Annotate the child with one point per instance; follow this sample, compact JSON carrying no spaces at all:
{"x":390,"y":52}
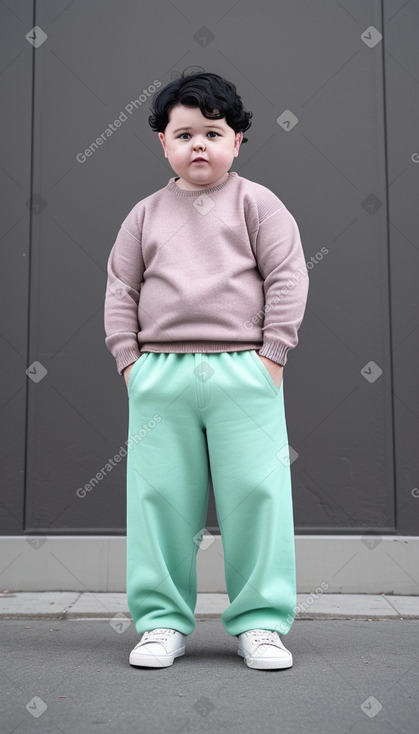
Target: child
{"x":207,"y":287}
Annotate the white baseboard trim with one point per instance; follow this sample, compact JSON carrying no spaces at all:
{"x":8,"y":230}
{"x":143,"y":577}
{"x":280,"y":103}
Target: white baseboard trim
{"x":345,"y":564}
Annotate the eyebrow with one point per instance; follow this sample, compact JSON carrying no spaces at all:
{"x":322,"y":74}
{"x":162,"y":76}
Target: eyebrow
{"x":213,"y":127}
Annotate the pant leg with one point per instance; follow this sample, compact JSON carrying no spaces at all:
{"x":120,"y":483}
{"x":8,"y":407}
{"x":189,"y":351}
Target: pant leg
{"x":249,"y":460}
{"x":167,"y":491}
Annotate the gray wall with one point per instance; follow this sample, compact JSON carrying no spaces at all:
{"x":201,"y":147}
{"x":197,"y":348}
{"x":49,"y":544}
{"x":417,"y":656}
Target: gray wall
{"x":348,"y":171}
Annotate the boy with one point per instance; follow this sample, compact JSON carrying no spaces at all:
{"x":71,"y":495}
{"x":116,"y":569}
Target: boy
{"x":207,"y":288}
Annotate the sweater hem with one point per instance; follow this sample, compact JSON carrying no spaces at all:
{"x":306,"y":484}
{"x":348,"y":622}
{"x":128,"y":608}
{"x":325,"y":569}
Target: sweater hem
{"x":199,"y":346}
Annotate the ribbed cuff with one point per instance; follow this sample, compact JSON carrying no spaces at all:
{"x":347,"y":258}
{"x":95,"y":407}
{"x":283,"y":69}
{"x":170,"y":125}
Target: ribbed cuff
{"x":125,"y":357}
{"x":275,"y":351}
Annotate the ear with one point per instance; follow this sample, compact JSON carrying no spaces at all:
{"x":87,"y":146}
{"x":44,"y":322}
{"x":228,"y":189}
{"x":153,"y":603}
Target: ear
{"x":163,"y":142}
{"x":237,"y":143}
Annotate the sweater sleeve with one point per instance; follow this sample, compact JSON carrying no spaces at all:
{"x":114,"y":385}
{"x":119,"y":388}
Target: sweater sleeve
{"x":281,"y":262}
{"x":125,"y":270}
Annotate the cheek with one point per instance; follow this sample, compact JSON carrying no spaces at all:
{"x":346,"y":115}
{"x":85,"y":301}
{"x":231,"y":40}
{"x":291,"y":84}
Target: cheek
{"x":178,"y":153}
{"x":223,"y":151}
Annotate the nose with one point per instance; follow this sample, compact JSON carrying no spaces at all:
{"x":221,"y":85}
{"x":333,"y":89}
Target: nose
{"x":200,"y":143}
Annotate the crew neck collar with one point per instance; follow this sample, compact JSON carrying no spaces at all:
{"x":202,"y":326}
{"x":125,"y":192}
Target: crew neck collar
{"x":174,"y":189}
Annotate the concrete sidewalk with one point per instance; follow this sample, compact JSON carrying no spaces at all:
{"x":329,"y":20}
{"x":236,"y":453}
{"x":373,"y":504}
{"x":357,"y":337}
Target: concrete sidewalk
{"x":79,"y":605}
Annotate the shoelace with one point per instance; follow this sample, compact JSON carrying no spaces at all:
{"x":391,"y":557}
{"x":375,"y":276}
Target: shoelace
{"x":159,"y":634}
{"x":264,"y":636}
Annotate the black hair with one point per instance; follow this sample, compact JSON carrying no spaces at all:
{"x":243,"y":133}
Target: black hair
{"x":204,"y":90}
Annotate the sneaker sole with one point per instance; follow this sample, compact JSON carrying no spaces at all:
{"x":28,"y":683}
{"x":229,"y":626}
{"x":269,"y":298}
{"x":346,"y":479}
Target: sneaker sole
{"x":265,"y":663}
{"x":142,"y":659}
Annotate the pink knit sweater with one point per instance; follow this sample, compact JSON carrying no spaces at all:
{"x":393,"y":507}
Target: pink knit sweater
{"x":216,"y":270}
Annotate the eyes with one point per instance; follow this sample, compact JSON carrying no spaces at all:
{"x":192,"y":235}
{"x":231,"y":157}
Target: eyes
{"x":210,"y":132}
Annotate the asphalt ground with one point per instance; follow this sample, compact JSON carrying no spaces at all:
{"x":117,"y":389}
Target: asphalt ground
{"x":72,"y":675}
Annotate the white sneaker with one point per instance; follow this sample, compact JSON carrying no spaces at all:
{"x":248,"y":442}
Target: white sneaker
{"x":158,"y":648}
{"x":263,"y":649}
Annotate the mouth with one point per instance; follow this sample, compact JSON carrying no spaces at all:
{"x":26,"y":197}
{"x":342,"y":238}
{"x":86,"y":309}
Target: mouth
{"x":199,"y":160}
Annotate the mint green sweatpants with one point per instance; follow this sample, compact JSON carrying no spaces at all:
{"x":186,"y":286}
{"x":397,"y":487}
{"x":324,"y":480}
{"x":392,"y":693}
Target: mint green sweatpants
{"x":189,"y":413}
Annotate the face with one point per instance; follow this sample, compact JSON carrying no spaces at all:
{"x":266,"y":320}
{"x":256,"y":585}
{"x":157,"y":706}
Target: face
{"x":189,"y":135}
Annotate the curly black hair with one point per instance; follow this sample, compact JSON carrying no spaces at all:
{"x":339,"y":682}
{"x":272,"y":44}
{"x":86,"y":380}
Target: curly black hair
{"x":204,"y":90}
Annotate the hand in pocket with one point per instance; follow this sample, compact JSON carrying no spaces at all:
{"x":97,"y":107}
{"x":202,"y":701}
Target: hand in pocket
{"x":126,"y":373}
{"x":275,"y":370}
